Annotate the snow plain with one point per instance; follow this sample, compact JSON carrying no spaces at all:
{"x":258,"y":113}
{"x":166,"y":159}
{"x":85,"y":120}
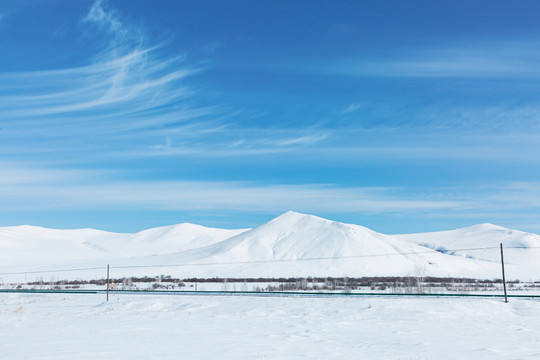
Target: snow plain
{"x":60,"y":326}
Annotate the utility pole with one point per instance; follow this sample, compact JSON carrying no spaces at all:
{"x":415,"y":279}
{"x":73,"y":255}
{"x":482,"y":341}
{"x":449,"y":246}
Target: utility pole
{"x":107,"y":282}
{"x":503,"y":278}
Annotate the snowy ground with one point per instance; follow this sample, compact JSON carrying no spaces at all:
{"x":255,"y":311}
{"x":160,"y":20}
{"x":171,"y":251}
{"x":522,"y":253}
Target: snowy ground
{"x":60,"y":326}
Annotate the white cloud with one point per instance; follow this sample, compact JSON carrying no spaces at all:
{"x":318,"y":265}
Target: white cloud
{"x":107,"y":20}
{"x":127,"y":101}
{"x":35,"y":188}
{"x":351,"y":108}
{"x":469,"y":60}
{"x":133,"y":91}
{"x":129,"y":91}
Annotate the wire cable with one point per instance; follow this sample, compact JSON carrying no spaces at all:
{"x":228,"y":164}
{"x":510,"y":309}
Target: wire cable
{"x":432,"y":251}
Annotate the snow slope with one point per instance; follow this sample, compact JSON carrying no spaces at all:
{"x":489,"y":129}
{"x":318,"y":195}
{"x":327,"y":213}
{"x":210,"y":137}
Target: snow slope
{"x":24,"y":245}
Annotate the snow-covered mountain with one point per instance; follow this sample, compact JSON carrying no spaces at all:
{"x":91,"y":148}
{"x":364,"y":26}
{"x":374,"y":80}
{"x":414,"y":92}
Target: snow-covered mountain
{"x":290,"y":245}
{"x":295,"y":244}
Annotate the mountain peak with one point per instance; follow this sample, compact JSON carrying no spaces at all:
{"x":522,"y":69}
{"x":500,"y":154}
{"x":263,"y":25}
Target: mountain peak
{"x":484,"y":227}
{"x":293,"y":215}
{"x":296,"y":220}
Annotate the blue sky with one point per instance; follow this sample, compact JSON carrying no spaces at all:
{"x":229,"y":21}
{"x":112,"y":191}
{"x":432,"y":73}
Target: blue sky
{"x":399,"y":116}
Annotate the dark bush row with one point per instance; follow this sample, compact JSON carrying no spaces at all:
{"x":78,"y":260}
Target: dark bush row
{"x":327,"y":281}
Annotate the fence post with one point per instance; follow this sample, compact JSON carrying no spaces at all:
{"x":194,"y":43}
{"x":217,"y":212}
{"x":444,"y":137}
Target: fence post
{"x":107,"y":282}
{"x":503,"y":278}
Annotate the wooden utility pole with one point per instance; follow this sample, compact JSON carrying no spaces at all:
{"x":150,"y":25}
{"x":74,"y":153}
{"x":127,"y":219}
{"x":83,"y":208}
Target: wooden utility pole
{"x":107,"y":282}
{"x":503,"y":279}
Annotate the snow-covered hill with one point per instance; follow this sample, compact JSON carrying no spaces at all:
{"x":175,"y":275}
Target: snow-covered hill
{"x":291,"y":245}
{"x":522,"y":250}
{"x":295,"y":244}
{"x":477,"y":236}
{"x":32,"y":246}
{"x":162,"y":240}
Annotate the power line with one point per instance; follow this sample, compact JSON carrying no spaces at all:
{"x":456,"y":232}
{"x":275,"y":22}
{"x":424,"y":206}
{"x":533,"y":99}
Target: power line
{"x":441,"y":250}
{"x":55,"y":271}
{"x":292,"y":260}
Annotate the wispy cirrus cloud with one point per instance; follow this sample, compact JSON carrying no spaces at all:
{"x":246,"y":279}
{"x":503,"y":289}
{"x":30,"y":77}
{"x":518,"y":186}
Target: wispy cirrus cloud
{"x":351,"y":108}
{"x":106,"y":19}
{"x":130,"y":99}
{"x":35,"y":188}
{"x":38,"y":188}
{"x":128,"y":90}
{"x":468,"y":60}
{"x":233,"y":141}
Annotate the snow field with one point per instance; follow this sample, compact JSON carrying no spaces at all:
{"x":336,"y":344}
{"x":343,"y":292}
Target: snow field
{"x":59,"y":326}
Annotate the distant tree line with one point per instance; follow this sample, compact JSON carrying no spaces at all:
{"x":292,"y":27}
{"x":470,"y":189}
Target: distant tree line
{"x":338,"y":281}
